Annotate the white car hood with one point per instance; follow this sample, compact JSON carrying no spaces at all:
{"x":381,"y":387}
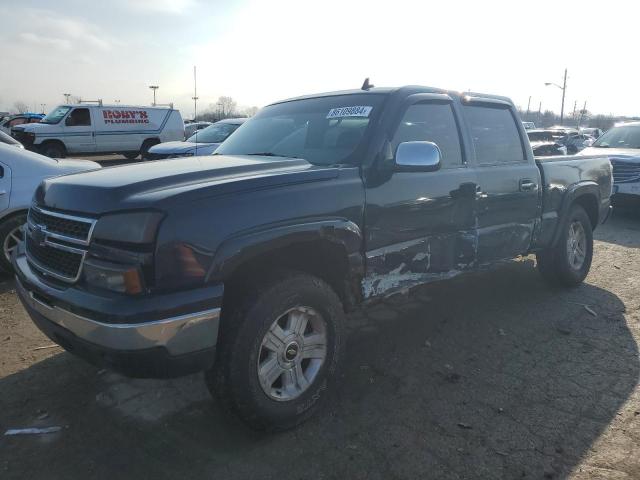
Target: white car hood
{"x":181,"y":148}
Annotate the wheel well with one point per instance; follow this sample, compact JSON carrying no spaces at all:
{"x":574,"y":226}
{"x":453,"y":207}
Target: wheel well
{"x":150,"y":142}
{"x":56,"y":142}
{"x":590,"y":205}
{"x":15,"y":213}
{"x":321,"y":258}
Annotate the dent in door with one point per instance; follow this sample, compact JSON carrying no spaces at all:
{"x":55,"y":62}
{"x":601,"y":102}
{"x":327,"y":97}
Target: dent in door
{"x":407,"y":264}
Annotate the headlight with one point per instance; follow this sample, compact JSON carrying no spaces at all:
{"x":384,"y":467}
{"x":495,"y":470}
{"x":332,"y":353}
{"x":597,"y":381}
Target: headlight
{"x":117,"y":278}
{"x":135,"y":227}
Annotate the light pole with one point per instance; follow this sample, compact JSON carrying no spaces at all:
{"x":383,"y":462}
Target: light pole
{"x":154,"y":88}
{"x":43,"y":105}
{"x":195,"y":96}
{"x":66,"y":97}
{"x":564,"y":91}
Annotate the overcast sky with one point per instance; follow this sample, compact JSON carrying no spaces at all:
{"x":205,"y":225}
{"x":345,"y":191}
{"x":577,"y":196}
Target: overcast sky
{"x":262,"y":51}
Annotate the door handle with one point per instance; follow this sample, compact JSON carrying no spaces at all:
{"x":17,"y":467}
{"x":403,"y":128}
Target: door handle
{"x":527,"y":185}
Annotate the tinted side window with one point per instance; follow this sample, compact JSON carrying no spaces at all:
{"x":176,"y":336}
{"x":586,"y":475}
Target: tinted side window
{"x":495,"y":135}
{"x":80,"y":117}
{"x":431,"y":122}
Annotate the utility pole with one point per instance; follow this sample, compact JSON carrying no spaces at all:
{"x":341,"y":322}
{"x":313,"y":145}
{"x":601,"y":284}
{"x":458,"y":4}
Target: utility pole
{"x":195,"y":95}
{"x":43,"y":105}
{"x":564,"y":91}
{"x":66,"y":97}
{"x":584,"y":109}
{"x":539,"y":111}
{"x":154,"y":88}
{"x":528,"y":105}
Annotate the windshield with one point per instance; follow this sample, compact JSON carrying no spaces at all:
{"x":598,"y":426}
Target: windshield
{"x":216,"y":133}
{"x":625,"y":136}
{"x":56,"y":115}
{"x":323,"y":131}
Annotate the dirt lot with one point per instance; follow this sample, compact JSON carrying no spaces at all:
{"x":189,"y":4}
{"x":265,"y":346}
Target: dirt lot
{"x":493,"y":375}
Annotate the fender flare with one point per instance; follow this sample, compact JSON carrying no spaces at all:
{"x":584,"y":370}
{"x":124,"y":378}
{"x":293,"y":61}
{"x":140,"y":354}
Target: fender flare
{"x":237,"y":250}
{"x":587,"y":187}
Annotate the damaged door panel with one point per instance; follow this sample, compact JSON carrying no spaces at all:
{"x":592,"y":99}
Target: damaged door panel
{"x":422,"y":226}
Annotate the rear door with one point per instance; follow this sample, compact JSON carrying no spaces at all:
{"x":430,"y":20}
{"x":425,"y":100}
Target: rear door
{"x":508,"y":180}
{"x":421,"y":225}
{"x":79,"y":131}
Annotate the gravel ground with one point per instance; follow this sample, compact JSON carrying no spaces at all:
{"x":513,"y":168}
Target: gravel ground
{"x":493,"y":375}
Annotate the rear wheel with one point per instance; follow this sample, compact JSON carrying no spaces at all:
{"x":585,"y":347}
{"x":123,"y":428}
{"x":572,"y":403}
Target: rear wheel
{"x":11,"y":233}
{"x":569,"y":261}
{"x":279,"y":351}
{"x":146,"y":145}
{"x":131,"y":155}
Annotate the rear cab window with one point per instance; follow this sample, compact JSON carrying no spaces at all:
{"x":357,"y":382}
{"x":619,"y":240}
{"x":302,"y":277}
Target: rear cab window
{"x":495,"y":134}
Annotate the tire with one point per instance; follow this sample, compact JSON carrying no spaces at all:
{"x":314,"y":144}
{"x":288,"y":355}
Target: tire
{"x":146,"y":145}
{"x":53,"y":150}
{"x":10,"y":234}
{"x":131,"y":155}
{"x":558,"y":265}
{"x":281,"y":400}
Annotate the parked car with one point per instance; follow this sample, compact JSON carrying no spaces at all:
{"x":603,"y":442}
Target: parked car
{"x":96,"y":128}
{"x":622,"y":144}
{"x":13,"y":120}
{"x":21,"y":172}
{"x":203,"y":142}
{"x":529,"y":125}
{"x":595,"y":133}
{"x":546,"y":143}
{"x":9,"y":140}
{"x":569,"y":137}
{"x":243,"y":263}
{"x":193,"y":127}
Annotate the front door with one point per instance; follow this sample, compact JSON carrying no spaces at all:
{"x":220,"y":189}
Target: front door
{"x":508,"y":181}
{"x":79,"y":132}
{"x":420,"y":226}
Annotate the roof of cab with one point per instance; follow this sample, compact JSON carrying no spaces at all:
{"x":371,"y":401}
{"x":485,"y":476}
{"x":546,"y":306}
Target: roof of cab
{"x":402,"y":91}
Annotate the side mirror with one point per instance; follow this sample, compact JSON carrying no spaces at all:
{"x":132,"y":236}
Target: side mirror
{"x":418,"y":157}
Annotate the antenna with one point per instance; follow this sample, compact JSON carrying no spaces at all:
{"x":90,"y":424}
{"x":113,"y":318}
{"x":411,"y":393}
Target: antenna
{"x":366,"y":85}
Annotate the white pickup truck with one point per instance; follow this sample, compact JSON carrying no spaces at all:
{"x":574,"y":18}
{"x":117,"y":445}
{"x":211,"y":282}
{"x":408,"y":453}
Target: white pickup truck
{"x":96,"y":128}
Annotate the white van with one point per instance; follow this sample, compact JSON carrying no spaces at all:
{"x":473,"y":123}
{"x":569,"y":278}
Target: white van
{"x":96,"y":128}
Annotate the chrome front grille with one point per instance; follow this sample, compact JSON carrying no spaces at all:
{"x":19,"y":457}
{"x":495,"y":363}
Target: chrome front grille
{"x":625,"y":171}
{"x":56,"y":243}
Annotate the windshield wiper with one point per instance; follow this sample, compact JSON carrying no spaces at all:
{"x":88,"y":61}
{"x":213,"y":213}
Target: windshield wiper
{"x":601,"y":146}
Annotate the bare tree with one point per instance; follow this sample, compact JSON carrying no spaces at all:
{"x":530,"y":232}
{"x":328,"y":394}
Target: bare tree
{"x":226,"y":106}
{"x":20,"y":106}
{"x":250,"y":111}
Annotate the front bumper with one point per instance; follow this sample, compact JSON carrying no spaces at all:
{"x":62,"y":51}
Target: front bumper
{"x":140,"y":339}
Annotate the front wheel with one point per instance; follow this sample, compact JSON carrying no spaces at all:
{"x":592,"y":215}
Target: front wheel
{"x":569,"y":261}
{"x":11,"y":234}
{"x":279,"y":351}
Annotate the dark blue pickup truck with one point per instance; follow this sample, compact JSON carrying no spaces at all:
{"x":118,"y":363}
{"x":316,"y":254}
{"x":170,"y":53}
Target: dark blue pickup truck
{"x":243,"y":263}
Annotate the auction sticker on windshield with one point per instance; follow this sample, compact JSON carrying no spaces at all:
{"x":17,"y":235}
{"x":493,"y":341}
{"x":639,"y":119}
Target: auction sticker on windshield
{"x":355,"y":111}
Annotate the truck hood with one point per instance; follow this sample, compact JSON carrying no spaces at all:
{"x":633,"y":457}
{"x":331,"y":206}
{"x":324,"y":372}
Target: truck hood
{"x":180,"y":148}
{"x":622,"y":153}
{"x":158,"y":184}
